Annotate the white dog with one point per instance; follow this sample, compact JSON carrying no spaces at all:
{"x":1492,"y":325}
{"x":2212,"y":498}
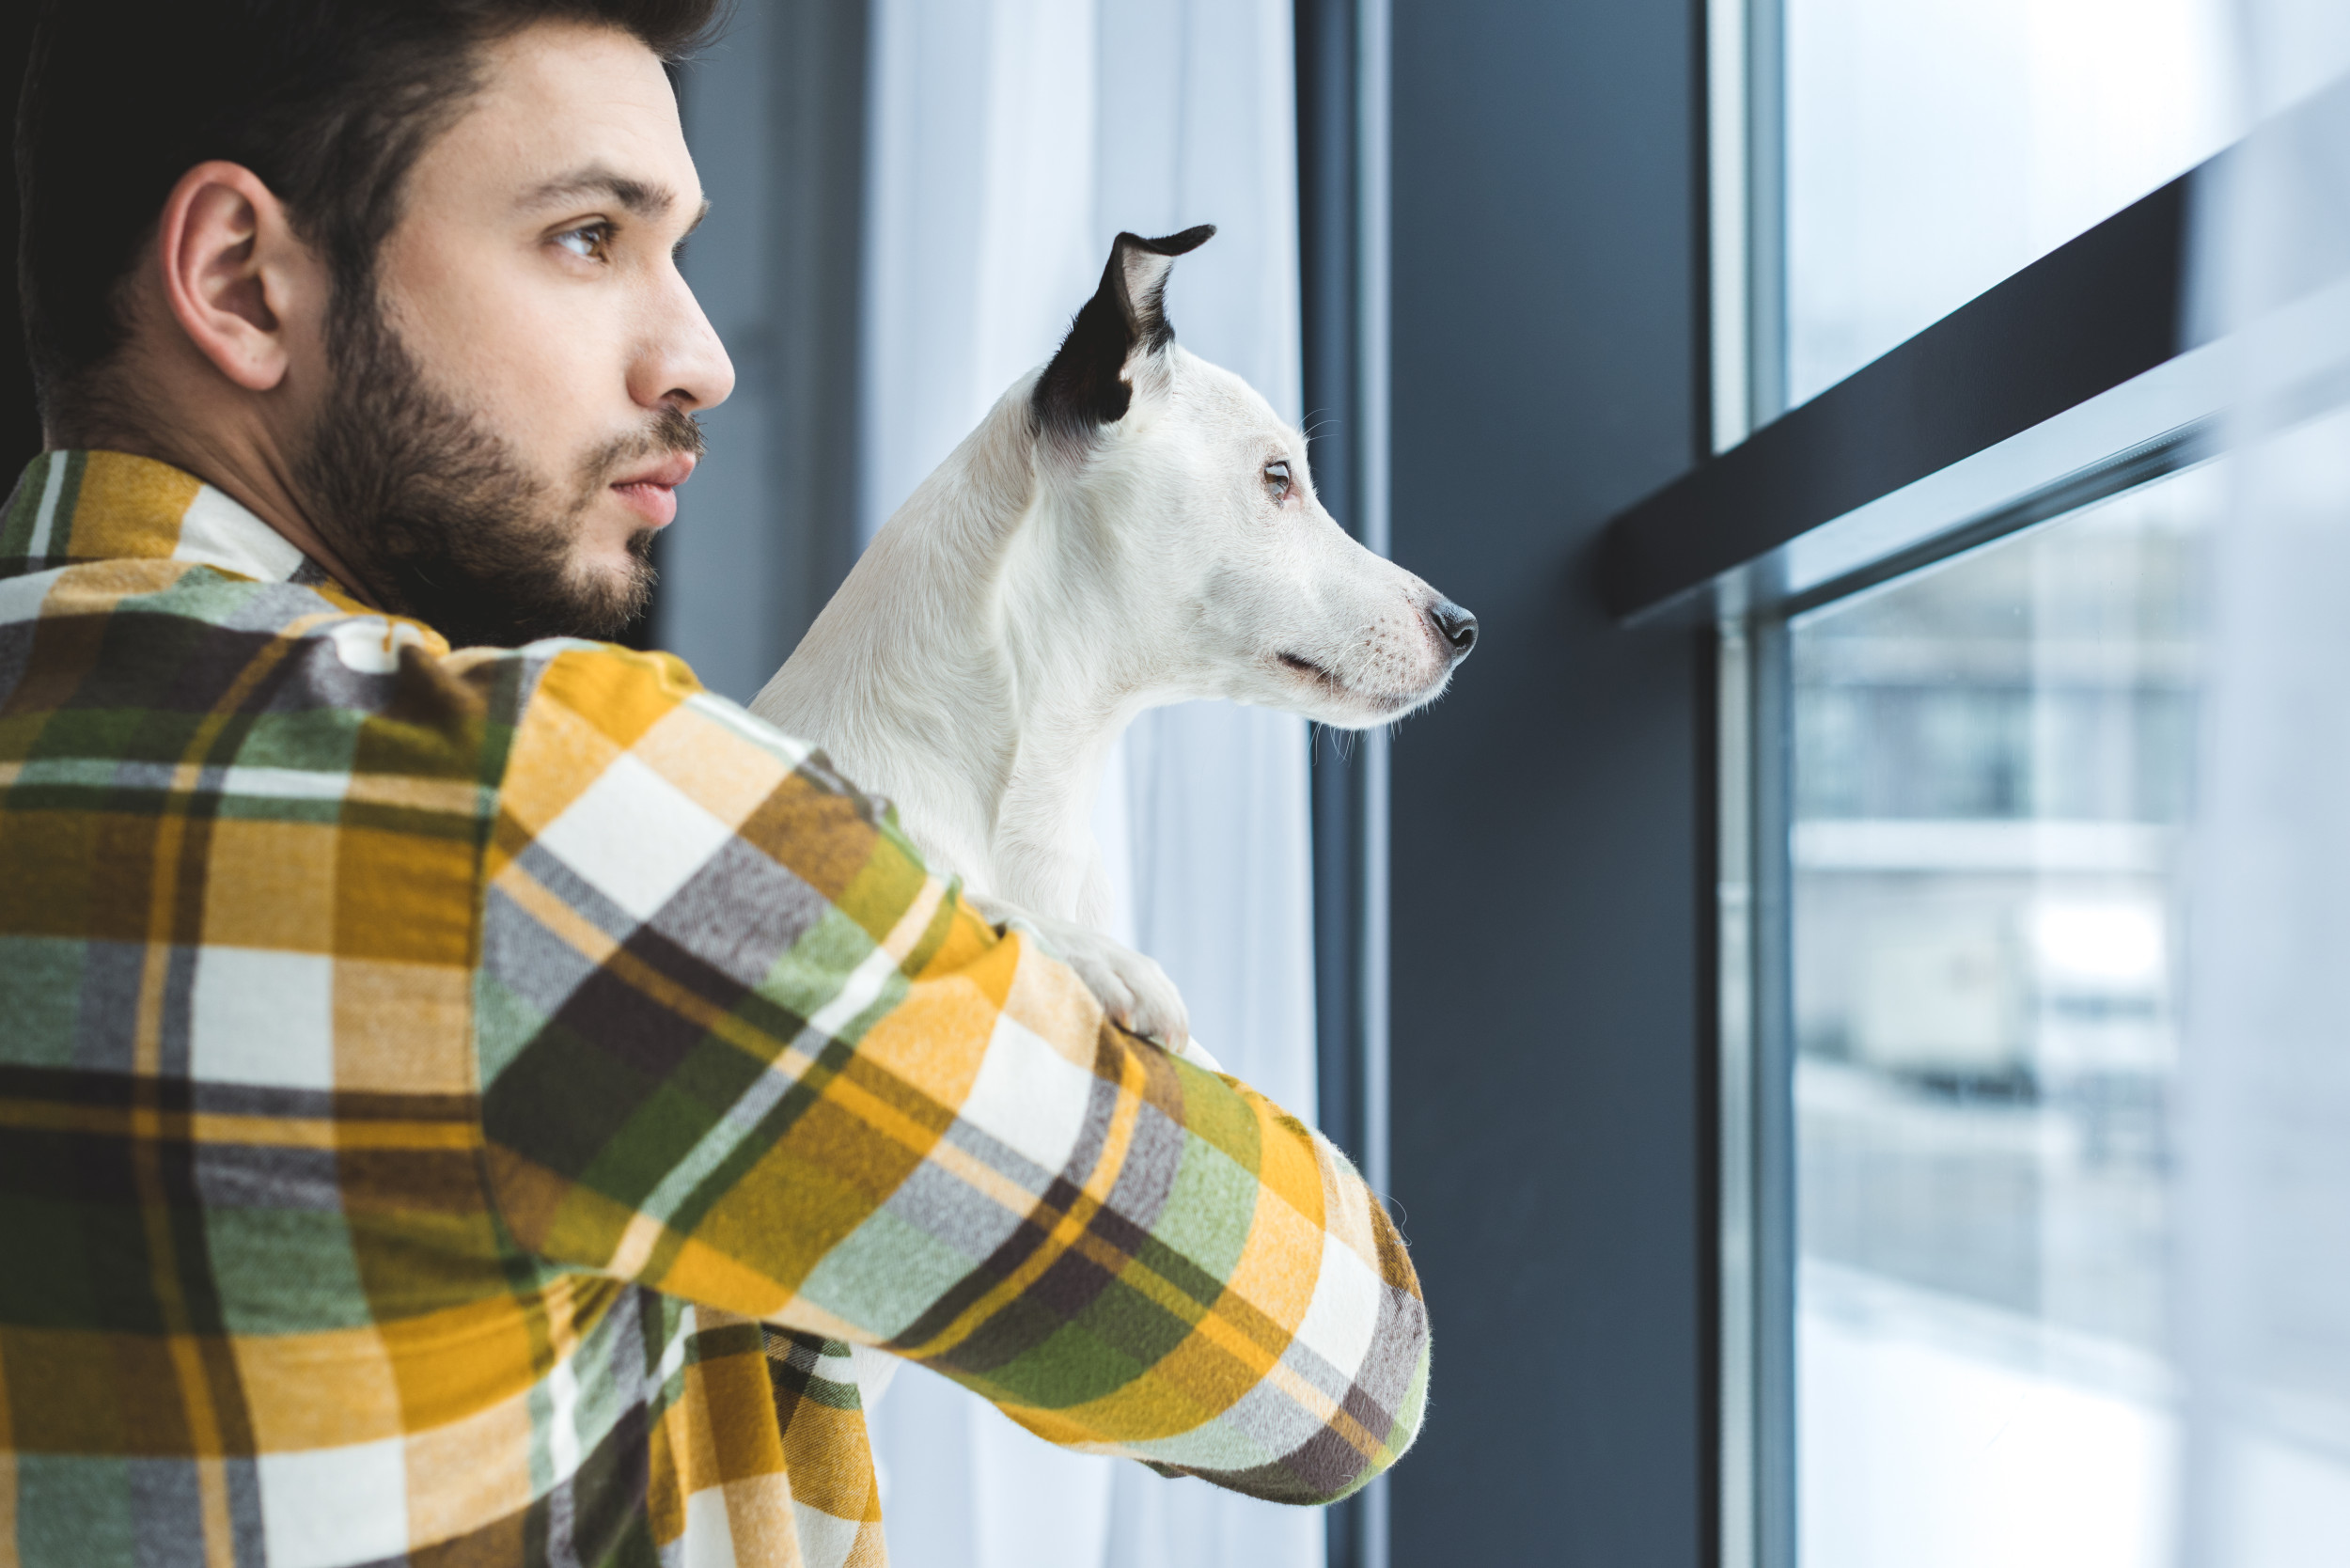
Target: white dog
{"x":1130,"y":526}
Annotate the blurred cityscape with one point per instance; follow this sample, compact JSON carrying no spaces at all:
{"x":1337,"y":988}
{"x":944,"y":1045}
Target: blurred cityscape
{"x":1993,"y":766}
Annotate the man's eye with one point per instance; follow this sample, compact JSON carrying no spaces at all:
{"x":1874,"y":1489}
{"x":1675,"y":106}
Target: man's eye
{"x":1278,"y":475}
{"x":589,"y":240}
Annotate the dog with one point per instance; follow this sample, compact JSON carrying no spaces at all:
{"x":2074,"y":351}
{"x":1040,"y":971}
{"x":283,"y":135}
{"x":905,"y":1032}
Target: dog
{"x":1129,"y":526}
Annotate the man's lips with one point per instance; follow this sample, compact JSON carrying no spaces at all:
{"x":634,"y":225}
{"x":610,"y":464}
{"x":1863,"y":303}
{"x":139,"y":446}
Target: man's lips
{"x":651,"y":492}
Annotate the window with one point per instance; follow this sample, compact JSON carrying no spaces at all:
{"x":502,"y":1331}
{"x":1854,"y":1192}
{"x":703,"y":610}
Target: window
{"x":1956,"y":594}
{"x":1991,"y":761}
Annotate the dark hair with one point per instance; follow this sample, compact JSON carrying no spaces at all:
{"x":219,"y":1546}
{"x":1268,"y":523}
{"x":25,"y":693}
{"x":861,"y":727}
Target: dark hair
{"x":329,"y":102}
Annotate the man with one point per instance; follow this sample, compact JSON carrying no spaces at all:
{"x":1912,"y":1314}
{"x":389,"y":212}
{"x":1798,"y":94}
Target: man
{"x":461,"y":1107}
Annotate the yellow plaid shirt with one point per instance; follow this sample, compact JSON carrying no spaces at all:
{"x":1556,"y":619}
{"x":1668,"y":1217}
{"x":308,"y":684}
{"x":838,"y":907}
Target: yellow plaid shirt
{"x":458,"y":1109}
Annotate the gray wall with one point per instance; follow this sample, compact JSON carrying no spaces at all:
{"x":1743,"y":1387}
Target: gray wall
{"x":775,"y":114}
{"x":19,"y":427}
{"x":1549,"y":1147}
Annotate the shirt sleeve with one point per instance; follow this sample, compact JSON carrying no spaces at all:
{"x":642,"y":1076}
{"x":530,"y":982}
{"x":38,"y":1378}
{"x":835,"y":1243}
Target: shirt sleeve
{"x":738,"y":1045}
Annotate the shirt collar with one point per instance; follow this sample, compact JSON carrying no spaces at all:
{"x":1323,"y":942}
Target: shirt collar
{"x":77,"y":507}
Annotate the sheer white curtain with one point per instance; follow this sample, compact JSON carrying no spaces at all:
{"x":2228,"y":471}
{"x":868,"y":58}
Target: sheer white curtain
{"x":1010,"y":140}
{"x":2265,"y":1237}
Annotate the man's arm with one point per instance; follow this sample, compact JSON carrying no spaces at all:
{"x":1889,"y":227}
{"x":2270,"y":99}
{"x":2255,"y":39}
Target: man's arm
{"x":739,"y":1045}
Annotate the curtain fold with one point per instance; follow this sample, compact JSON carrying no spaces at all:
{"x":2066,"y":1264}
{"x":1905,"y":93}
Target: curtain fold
{"x":1009,"y":141}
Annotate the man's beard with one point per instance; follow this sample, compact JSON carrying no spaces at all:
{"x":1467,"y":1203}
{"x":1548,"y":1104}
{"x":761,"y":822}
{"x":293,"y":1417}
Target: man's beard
{"x":442,"y":519}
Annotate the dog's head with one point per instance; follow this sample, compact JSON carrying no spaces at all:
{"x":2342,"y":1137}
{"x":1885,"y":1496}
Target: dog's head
{"x":1248,"y":589}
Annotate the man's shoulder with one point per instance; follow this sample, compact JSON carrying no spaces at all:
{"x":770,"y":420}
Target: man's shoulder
{"x":193,"y":626}
{"x":145,"y":598}
{"x":291,"y":686}
{"x":147,"y":660}
{"x":151,"y":614}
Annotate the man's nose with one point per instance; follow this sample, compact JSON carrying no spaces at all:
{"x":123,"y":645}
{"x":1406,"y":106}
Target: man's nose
{"x":690,"y":368}
{"x":1455,"y":625}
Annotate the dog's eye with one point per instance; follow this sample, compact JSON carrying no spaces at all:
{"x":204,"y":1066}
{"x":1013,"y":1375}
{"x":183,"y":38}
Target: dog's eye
{"x":1278,"y":475}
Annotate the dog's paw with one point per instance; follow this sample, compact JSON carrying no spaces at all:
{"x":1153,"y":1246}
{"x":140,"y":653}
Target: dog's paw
{"x":1131,"y":989}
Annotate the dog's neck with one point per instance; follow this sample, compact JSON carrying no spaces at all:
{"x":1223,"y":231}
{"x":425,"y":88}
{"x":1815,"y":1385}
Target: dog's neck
{"x":976,"y":668}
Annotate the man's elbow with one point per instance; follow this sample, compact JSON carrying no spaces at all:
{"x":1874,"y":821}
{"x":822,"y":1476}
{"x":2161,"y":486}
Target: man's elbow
{"x":1362,"y":1431}
{"x":1374,"y":1432}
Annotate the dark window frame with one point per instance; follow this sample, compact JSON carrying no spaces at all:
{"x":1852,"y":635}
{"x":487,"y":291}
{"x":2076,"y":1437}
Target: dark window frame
{"x":2084,"y":320}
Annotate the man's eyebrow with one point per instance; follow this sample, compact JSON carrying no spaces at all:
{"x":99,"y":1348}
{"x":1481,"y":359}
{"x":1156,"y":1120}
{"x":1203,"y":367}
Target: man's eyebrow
{"x":640,"y":197}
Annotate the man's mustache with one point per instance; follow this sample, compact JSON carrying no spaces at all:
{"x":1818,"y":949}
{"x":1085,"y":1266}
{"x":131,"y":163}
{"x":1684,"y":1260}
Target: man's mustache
{"x":670,"y":429}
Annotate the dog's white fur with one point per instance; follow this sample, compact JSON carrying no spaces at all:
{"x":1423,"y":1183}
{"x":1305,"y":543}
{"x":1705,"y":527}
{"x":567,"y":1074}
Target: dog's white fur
{"x":1044,"y":586}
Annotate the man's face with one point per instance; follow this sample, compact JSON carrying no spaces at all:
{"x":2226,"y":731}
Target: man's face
{"x":509,"y":420}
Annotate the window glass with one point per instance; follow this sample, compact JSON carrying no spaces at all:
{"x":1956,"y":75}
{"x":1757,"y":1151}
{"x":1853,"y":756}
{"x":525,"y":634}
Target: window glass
{"x":1992,"y":768}
{"x":1935,"y":146}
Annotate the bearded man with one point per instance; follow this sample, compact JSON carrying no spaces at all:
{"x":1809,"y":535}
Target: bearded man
{"x":465,"y":1091}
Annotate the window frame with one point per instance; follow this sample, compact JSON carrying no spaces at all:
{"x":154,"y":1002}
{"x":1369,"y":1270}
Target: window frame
{"x":2087,"y":373}
{"x":1342,"y":159}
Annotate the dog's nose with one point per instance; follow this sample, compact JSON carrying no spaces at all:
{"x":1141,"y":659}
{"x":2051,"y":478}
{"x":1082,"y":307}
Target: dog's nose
{"x":1455,"y":625}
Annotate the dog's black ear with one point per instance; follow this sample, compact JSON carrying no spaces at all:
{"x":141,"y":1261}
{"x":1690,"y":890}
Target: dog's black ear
{"x":1086,"y":385}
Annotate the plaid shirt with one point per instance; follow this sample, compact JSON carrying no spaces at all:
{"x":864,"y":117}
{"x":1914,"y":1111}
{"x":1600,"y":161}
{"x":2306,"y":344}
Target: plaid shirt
{"x":455,"y":1108}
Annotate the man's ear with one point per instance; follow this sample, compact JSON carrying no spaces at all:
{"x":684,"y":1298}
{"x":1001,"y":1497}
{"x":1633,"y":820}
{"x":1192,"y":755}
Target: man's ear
{"x":234,"y":271}
{"x":1086,"y":386}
